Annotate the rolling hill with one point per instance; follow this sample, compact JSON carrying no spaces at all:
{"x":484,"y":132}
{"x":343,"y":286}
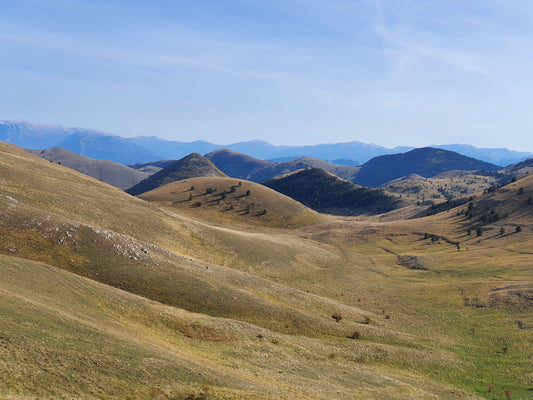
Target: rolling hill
{"x":115,"y":174}
{"x":426,"y":162}
{"x":242,"y":166}
{"x":237,"y":165}
{"x":230,"y":201}
{"x":153,"y":166}
{"x":442,"y":187}
{"x":105,"y":295}
{"x":502,"y":157}
{"x":327,"y":193}
{"x":192,"y":166}
{"x":519,"y":169}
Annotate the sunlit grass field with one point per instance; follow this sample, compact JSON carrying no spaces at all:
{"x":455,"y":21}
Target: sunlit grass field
{"x":104,"y":295}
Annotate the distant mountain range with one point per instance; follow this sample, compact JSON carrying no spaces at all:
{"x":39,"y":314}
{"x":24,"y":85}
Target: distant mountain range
{"x":100,"y":145}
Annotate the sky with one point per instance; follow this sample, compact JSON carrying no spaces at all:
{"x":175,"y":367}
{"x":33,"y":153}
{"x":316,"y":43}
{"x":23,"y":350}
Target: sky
{"x":291,"y":72}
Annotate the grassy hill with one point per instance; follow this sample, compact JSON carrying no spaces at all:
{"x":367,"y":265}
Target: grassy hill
{"x":426,"y":162}
{"x":241,"y":166}
{"x":519,"y":169}
{"x":153,"y":166}
{"x":192,"y":166}
{"x":236,"y":165}
{"x":105,"y":295}
{"x":327,"y":193}
{"x":445,"y":186}
{"x":115,"y":174}
{"x":499,"y":209}
{"x":232,"y":201}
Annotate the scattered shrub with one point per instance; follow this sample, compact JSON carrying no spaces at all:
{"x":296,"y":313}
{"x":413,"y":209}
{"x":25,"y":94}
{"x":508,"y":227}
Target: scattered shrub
{"x":368,"y":320}
{"x":518,"y":229}
{"x":356,"y":335}
{"x":337,"y":317}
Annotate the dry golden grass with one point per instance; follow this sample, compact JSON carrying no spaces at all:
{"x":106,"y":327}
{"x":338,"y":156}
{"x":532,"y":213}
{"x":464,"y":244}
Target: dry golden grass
{"x":449,"y":185}
{"x":244,"y":311}
{"x":229,"y":200}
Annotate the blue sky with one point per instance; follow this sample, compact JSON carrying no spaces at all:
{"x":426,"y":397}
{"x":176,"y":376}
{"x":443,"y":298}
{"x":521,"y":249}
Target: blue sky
{"x":391,"y":72}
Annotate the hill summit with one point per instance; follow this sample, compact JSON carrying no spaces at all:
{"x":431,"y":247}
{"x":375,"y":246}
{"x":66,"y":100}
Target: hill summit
{"x":426,"y":161}
{"x":192,"y":166}
{"x":324,"y":192}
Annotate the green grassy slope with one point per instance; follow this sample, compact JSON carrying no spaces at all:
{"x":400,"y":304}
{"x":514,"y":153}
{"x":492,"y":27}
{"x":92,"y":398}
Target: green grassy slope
{"x":63,"y":336}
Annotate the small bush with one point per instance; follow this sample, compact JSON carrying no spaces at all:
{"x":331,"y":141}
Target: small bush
{"x":356,"y":335}
{"x":337,"y":317}
{"x":368,"y":320}
{"x":518,"y":229}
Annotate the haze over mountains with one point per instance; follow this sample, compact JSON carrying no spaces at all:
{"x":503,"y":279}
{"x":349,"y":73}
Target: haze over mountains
{"x":99,"y":145}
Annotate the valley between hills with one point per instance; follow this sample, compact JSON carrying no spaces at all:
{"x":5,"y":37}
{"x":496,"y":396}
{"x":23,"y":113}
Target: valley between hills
{"x":217,"y":287}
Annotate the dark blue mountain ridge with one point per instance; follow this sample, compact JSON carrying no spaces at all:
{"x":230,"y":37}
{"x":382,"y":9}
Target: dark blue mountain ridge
{"x":425,"y":161}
